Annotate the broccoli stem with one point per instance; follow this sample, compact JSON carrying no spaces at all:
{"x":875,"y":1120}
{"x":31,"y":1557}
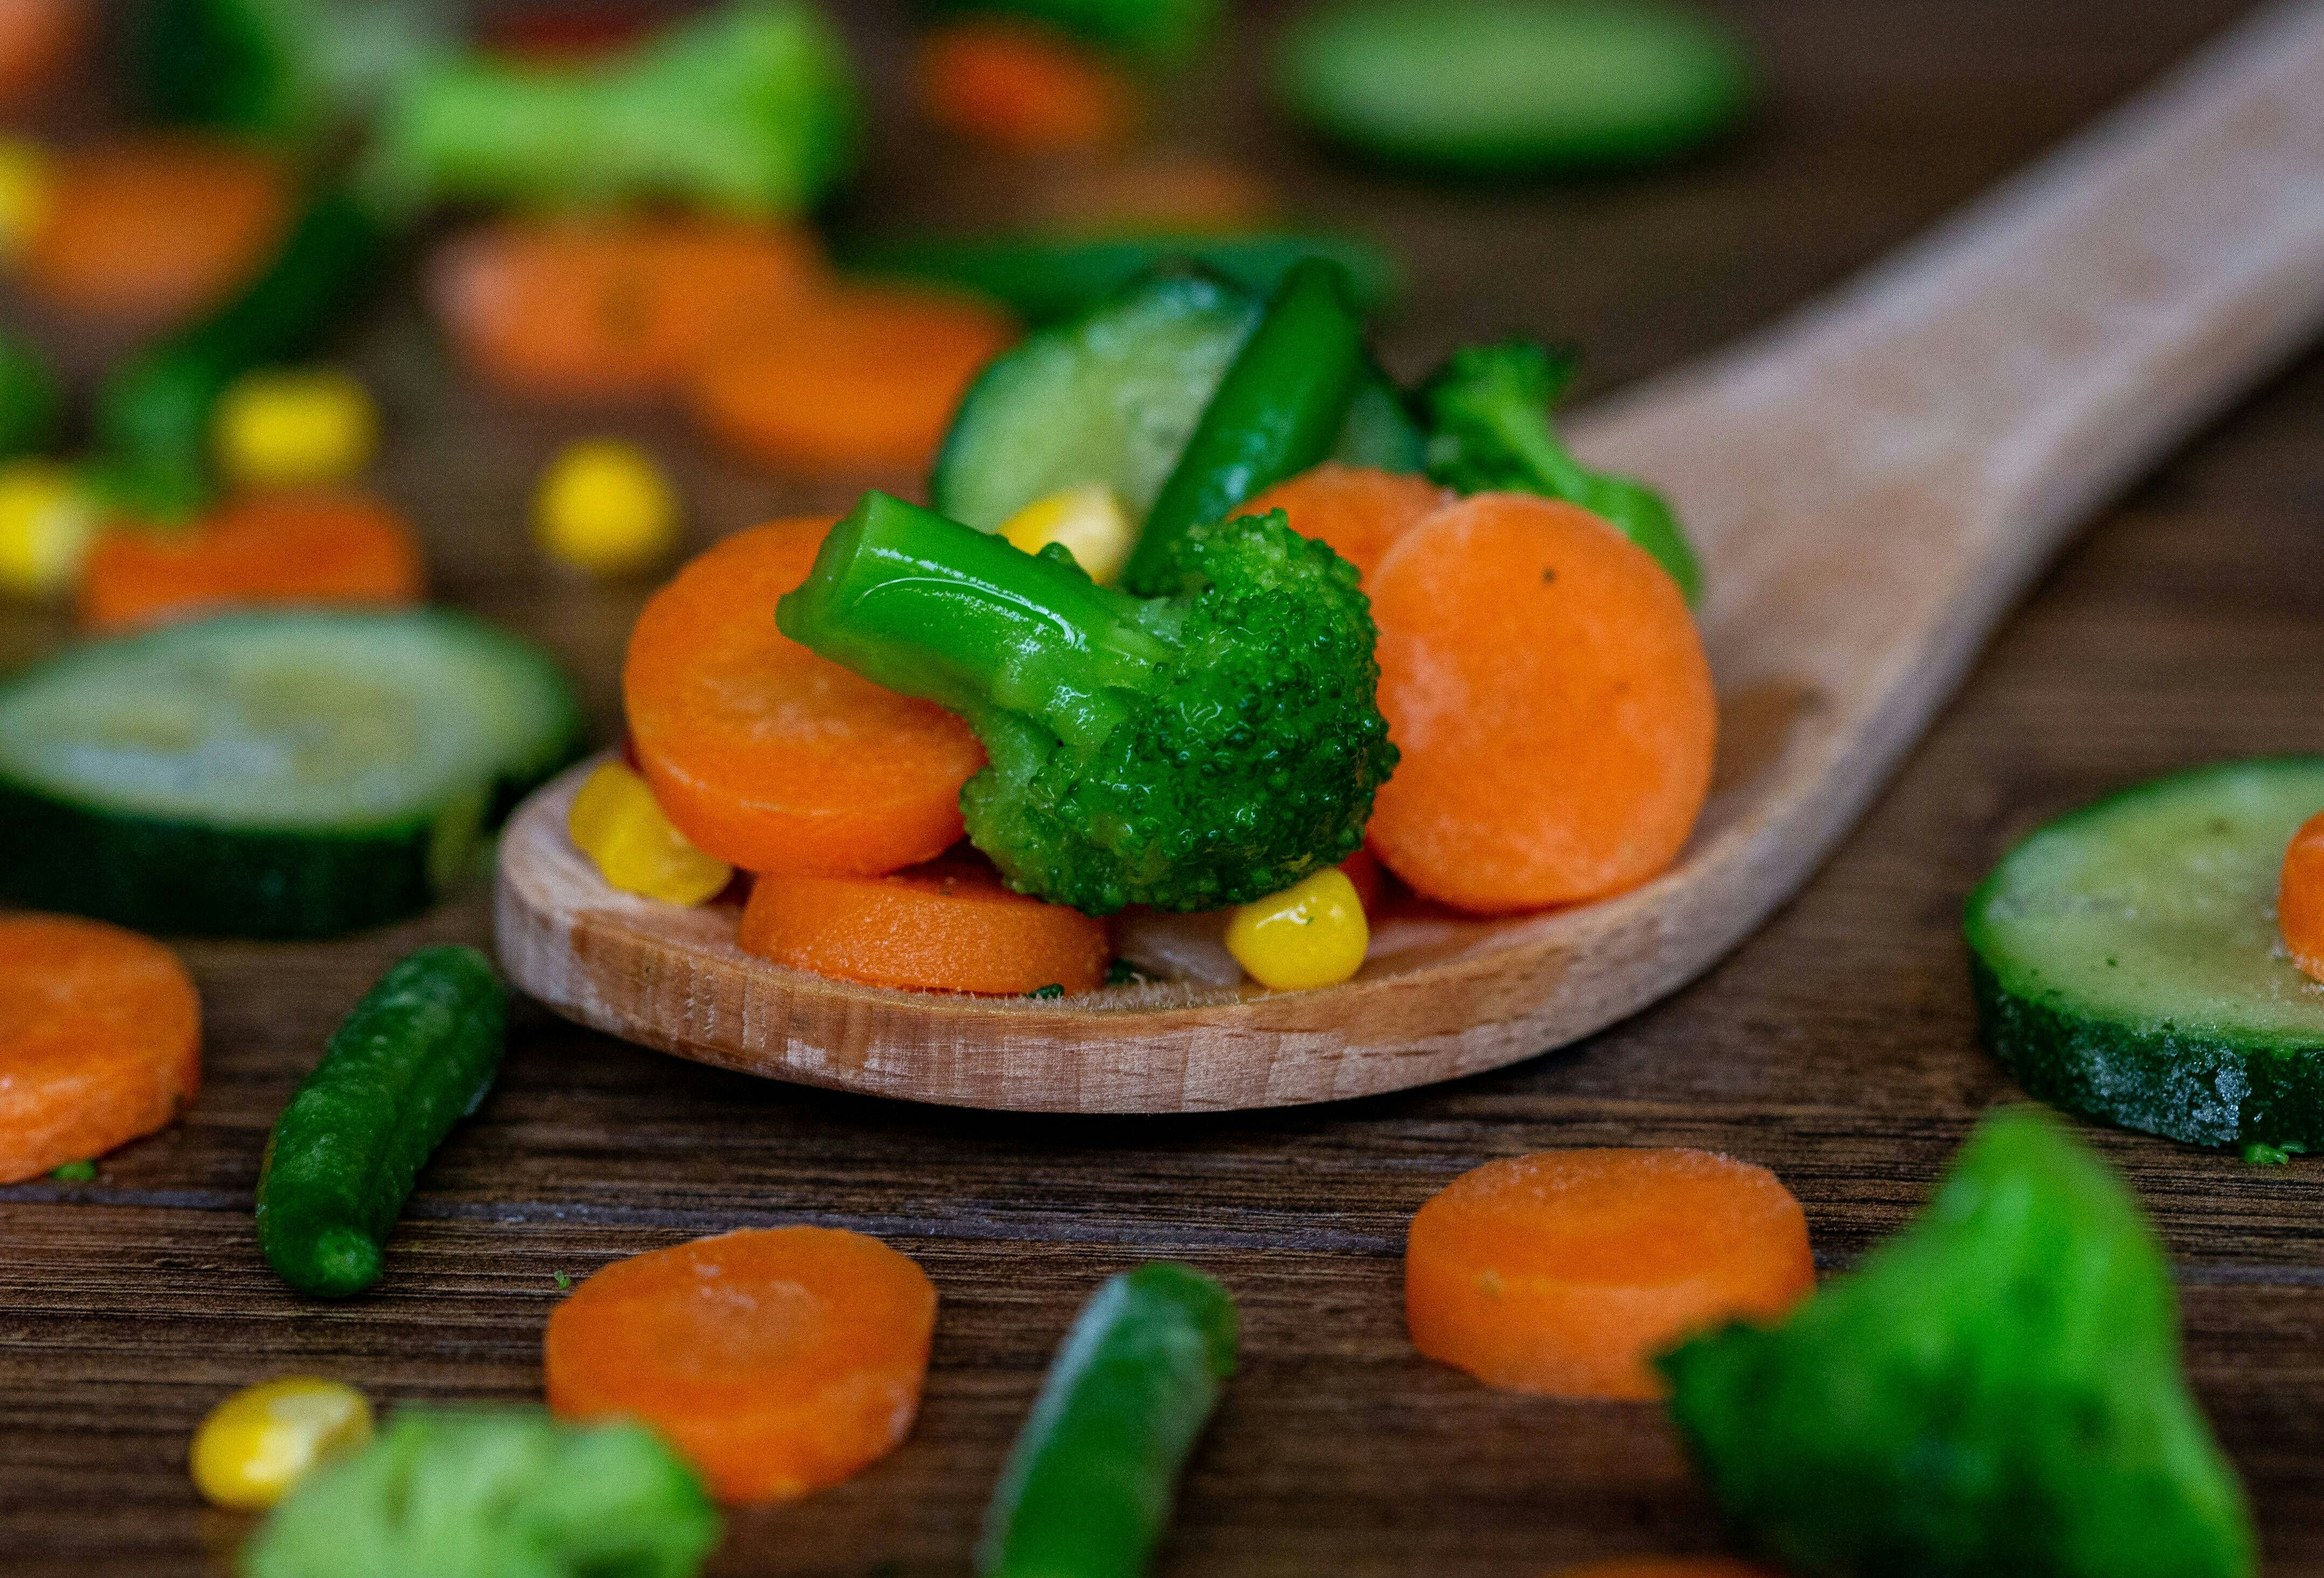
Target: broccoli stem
{"x":931,"y":608}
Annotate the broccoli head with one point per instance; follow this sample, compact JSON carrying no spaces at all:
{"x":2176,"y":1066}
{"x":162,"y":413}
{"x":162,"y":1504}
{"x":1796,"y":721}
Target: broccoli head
{"x":286,"y":68}
{"x":1190,"y":751}
{"x":750,"y":108}
{"x":1490,"y":432}
{"x":1996,"y":1391}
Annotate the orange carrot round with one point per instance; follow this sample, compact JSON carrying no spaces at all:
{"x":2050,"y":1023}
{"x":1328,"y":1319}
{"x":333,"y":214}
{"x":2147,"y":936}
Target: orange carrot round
{"x":2299,"y":898}
{"x":156,"y":227}
{"x":1562,"y":1273}
{"x":290,"y":546}
{"x":1358,"y":510}
{"x":768,"y":756}
{"x":948,"y":926}
{"x":860,"y":378}
{"x":1546,"y":686}
{"x":100,"y":1041}
{"x":608,"y":309}
{"x":777,"y":1361}
{"x":37,"y":41}
{"x":1016,"y":85}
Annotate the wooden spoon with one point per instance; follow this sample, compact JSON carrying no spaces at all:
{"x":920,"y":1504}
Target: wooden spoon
{"x":1872,"y":483}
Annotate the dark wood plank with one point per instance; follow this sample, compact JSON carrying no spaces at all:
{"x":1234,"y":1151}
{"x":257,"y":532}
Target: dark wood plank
{"x":1837,"y":1047}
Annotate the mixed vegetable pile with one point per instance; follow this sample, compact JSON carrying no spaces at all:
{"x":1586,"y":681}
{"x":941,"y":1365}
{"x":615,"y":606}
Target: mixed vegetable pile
{"x":1210,"y":634}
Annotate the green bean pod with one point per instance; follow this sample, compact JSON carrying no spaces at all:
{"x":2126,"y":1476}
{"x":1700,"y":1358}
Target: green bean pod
{"x":1089,"y":1485}
{"x":416,"y":1056}
{"x":1278,"y":411}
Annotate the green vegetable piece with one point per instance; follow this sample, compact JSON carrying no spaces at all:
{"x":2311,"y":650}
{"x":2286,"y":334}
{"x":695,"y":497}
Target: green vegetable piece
{"x":1163,"y":33}
{"x":76,"y":1172}
{"x":1995,"y":1390}
{"x":415,"y":1058}
{"x":1508,"y":86}
{"x":1488,"y":413}
{"x":153,"y":415}
{"x":289,"y":69}
{"x":1188,"y":752}
{"x":500,"y":1493}
{"x":1046,"y":278}
{"x":1089,"y":1485}
{"x":31,"y":400}
{"x":1278,"y":410}
{"x":750,"y":107}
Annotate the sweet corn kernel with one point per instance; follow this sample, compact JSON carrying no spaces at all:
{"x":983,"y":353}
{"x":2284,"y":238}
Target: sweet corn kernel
{"x":617,"y":823}
{"x":295,"y":428}
{"x":47,"y":521}
{"x":1308,"y":935}
{"x":27,"y":191}
{"x":606,"y":507}
{"x":1089,"y":521}
{"x":263,"y":1440}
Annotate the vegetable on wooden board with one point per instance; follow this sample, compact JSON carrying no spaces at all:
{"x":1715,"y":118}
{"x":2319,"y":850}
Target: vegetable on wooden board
{"x":1088,"y":1487}
{"x":618,"y":824}
{"x":777,"y":1361}
{"x":1549,"y":693}
{"x":1564,"y":1272}
{"x":297,"y":547}
{"x":1996,"y":1390}
{"x":1313,"y":934}
{"x":768,"y":756}
{"x":100,"y":1041}
{"x":283,"y":773}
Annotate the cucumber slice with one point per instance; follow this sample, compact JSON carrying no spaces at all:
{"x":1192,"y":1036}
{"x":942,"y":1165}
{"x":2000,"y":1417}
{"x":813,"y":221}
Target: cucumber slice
{"x":2127,"y":961}
{"x":1113,"y":397}
{"x":282,"y":774}
{"x":1509,"y":86}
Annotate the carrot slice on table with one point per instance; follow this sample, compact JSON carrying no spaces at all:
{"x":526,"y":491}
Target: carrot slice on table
{"x":1562,"y":1273}
{"x":1359,"y":510}
{"x":777,"y":1361}
{"x":1542,"y":677}
{"x":1020,"y":86}
{"x":295,"y":547}
{"x":613,"y":307}
{"x":948,"y":926}
{"x":37,"y":39}
{"x":2299,"y":898}
{"x":100,"y":1041}
{"x":155,"y":227}
{"x":768,"y":756}
{"x":857,"y":378}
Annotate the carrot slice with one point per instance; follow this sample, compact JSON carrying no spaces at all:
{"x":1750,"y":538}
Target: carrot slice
{"x":611,"y":308}
{"x":1549,"y":692}
{"x":777,"y":1361}
{"x":1668,"y":1568}
{"x":1361,"y":512}
{"x":2299,"y":899}
{"x":292,"y":547}
{"x":948,"y":926}
{"x":1016,"y":85}
{"x":1562,"y":1273}
{"x":37,"y":41}
{"x":100,"y":1041}
{"x":768,"y":756}
{"x":858,"y":378}
{"x":156,"y":227}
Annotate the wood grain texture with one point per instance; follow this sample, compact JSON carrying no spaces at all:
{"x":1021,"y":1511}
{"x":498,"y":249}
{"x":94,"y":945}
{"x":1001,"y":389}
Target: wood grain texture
{"x":1837,"y":1045}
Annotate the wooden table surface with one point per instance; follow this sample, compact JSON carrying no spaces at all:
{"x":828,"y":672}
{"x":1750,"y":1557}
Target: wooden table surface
{"x":1837,"y":1047}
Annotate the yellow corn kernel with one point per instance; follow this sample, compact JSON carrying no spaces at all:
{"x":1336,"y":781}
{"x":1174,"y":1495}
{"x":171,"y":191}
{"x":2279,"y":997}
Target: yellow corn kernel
{"x":1089,"y":521}
{"x":617,"y":823}
{"x":295,"y":428}
{"x":605,"y":506}
{"x":1308,"y":935}
{"x":263,"y":1440}
{"x":27,"y":191}
{"x":47,"y":521}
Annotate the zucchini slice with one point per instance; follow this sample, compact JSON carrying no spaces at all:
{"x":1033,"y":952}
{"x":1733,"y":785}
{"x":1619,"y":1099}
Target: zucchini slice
{"x":2128,"y":966}
{"x":1113,"y":397}
{"x":277,"y":774}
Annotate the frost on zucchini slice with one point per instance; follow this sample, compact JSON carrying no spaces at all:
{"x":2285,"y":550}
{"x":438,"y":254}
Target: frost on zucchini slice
{"x":278,"y":774}
{"x":2127,"y":964}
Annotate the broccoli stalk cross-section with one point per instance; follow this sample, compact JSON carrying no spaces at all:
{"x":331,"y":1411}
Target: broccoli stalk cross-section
{"x":1189,"y":752}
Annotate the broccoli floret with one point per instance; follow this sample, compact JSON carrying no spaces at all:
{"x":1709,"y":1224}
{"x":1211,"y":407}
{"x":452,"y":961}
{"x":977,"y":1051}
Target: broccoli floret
{"x":1490,"y":432}
{"x":1996,"y":1391}
{"x":493,"y":1494}
{"x":751,"y":109}
{"x":286,"y":68}
{"x":1188,"y":752}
